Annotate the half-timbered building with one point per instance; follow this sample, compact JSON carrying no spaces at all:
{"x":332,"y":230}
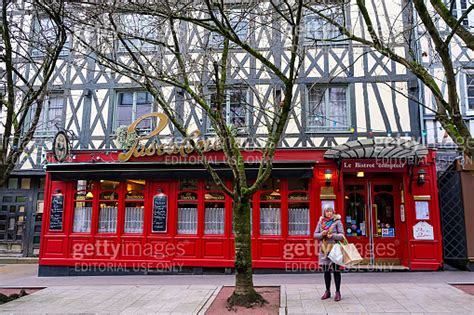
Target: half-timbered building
{"x":349,"y":144}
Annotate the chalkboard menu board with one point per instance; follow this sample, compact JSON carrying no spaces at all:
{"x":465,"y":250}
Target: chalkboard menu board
{"x":56,"y":213}
{"x":160,"y":213}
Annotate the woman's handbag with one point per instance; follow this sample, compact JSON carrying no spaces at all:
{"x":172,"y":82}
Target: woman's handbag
{"x":336,"y":255}
{"x":350,"y":253}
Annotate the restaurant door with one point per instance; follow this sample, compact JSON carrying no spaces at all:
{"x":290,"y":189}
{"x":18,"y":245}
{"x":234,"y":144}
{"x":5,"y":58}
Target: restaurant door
{"x":372,"y":220}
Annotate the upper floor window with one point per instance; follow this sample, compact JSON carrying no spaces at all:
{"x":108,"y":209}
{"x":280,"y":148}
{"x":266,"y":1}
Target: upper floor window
{"x":459,"y":7}
{"x":51,"y":117}
{"x":45,"y":35}
{"x":131,"y":105}
{"x":140,"y":32}
{"x":470,"y":91}
{"x":319,"y":31}
{"x":239,"y":21}
{"x":327,"y":108}
{"x":234,"y":107}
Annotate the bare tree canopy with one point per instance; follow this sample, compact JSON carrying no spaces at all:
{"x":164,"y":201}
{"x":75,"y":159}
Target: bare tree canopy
{"x":31,"y":45}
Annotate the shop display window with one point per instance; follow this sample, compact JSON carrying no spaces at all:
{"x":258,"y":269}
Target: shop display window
{"x":83,"y":198}
{"x":298,"y":207}
{"x":134,"y":206}
{"x":355,"y":221}
{"x":187,"y":207}
{"x":270,"y":208}
{"x":108,"y":206}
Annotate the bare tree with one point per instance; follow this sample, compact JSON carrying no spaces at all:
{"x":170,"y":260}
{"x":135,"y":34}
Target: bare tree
{"x":191,"y":47}
{"x":422,"y":23}
{"x":32,"y":38}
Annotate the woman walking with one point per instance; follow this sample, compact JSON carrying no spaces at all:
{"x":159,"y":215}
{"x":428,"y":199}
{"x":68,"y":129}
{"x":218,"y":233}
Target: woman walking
{"x":329,"y":231}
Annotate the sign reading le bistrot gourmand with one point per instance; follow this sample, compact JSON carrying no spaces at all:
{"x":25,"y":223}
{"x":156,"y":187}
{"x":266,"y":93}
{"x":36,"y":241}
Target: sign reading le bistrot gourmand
{"x":160,"y":213}
{"x":56,"y":213}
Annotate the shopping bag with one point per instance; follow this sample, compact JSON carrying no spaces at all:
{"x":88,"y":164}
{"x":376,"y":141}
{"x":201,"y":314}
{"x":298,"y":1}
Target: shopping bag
{"x":336,"y":256}
{"x":350,"y":253}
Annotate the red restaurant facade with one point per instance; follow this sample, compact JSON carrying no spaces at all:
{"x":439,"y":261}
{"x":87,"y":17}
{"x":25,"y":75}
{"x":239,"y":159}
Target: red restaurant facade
{"x":163,"y":211}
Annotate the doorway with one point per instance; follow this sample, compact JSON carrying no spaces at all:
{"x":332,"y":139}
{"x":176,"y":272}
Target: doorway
{"x":371,"y":218}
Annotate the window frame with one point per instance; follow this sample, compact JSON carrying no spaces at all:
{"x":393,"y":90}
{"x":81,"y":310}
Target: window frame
{"x":326,"y":129}
{"x":144,"y":45}
{"x":134,"y":108}
{"x":458,"y":11}
{"x":44,"y":116}
{"x":216,"y":41}
{"x":37,"y":27}
{"x":469,"y":111}
{"x":240,"y":130}
{"x":327,"y":28}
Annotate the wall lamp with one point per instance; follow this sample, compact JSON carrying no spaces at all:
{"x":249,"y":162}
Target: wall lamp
{"x":328,"y":176}
{"x":421,"y":177}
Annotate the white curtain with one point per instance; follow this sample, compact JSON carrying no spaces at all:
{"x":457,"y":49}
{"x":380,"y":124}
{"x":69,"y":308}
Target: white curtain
{"x":298,"y":221}
{"x":187,"y":220}
{"x":108,"y":220}
{"x":214,"y":221}
{"x":270,"y":221}
{"x":82,"y":219}
{"x":133,"y":220}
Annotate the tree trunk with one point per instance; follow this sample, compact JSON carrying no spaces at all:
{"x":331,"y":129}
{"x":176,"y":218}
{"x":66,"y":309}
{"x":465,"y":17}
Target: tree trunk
{"x":244,"y":293}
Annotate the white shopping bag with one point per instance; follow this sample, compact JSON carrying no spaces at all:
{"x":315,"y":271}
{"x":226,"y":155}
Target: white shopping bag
{"x":336,"y":256}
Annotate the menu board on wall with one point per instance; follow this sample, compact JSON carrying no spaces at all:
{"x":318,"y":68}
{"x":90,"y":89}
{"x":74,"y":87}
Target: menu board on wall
{"x":422,"y":210}
{"x":56,"y":213}
{"x":160,"y":213}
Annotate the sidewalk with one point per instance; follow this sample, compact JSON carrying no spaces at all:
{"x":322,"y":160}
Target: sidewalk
{"x":384,"y":292}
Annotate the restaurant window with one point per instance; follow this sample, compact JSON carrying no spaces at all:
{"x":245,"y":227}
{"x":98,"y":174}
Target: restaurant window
{"x":214,"y":211}
{"x":327,"y":108}
{"x":83,"y":198}
{"x":234,"y":108}
{"x":355,"y":210}
{"x":318,"y":31}
{"x":108,"y":206}
{"x":298,"y":207}
{"x":188,"y":207}
{"x":134,"y":206}
{"x":132,"y":105}
{"x":270,"y":208}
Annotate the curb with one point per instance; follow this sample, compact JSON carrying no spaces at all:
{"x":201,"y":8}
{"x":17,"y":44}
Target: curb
{"x":18,"y":260}
{"x":282,"y":310}
{"x":204,"y":306}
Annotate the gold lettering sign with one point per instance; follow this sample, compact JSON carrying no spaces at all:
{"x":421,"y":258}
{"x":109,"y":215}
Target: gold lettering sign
{"x":184,"y":148}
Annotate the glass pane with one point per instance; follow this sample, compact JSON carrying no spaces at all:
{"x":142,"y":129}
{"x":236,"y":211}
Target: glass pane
{"x":7,"y":199}
{"x":187,"y":219}
{"x":355,"y":221}
{"x":298,"y":184}
{"x":13,"y":183}
{"x":316,"y":108}
{"x":25,"y":183}
{"x":380,"y":188}
{"x":133,"y":217}
{"x":108,"y":217}
{"x":214,"y":218}
{"x":21,"y":199}
{"x":190,"y":184}
{"x":214,"y":196}
{"x":108,"y":185}
{"x":338,"y":108}
{"x":270,"y":219}
{"x":385,"y":216}
{"x":125,"y":98}
{"x":82,"y":217}
{"x":187,"y":196}
{"x":298,"y":219}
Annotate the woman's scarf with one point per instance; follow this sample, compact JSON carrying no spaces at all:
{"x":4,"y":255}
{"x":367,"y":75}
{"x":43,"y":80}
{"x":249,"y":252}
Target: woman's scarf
{"x":327,"y":223}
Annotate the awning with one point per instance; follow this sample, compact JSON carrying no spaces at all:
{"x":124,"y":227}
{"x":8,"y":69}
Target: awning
{"x":387,"y":148}
{"x":166,"y":171}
